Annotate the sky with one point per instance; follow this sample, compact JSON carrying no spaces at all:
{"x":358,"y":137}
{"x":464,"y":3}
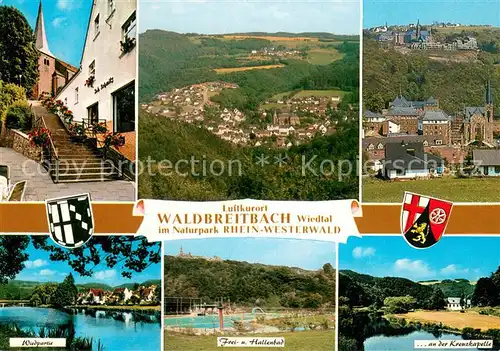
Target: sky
{"x":40,"y":268}
{"x":377,"y":12}
{"x":306,"y":254}
{"x":66,"y":24}
{"x":230,"y":16}
{"x":451,"y":258}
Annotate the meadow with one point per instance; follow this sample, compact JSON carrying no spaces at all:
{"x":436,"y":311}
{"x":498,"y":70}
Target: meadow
{"x":248,"y":68}
{"x":446,"y":188}
{"x":323,"y":56}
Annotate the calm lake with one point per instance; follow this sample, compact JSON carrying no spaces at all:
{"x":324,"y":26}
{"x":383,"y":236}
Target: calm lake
{"x":120,"y":332}
{"x":405,"y":342}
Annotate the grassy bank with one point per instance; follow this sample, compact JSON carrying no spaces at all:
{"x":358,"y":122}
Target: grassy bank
{"x":492,"y":311}
{"x":317,"y":340}
{"x":457,"y":320}
{"x":447,"y":188}
{"x":312,"y":322}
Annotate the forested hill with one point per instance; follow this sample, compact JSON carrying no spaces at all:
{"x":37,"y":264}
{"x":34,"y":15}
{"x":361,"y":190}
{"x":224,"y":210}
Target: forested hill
{"x":183,"y":141}
{"x":453,"y":288}
{"x":249,"y":284}
{"x":171,"y":60}
{"x":387,"y":72}
{"x":365,"y":290}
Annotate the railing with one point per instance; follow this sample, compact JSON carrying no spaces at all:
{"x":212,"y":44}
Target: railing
{"x":117,"y":160}
{"x":49,"y":153}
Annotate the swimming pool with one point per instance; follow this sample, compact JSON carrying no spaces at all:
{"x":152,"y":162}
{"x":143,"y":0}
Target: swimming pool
{"x":210,"y":321}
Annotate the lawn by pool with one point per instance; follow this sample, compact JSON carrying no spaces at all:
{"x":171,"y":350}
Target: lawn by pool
{"x":315,"y":340}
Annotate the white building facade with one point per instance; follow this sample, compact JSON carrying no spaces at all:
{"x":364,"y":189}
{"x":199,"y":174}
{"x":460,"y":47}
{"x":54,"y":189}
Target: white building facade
{"x":103,"y":90}
{"x":456,"y":304}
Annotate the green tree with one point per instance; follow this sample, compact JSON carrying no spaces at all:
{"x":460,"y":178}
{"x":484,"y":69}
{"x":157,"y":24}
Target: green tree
{"x":496,"y":278}
{"x":463,"y":301}
{"x":45,"y":292}
{"x":312,"y":301}
{"x":12,"y":256}
{"x":437,"y":300}
{"x":10,"y":94}
{"x":65,"y":293}
{"x":374,"y":102}
{"x":485,"y":293}
{"x":399,"y":304}
{"x":35,"y":300}
{"x":18,"y":54}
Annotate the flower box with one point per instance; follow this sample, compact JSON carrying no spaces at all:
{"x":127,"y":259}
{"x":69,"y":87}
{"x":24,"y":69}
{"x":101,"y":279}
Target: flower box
{"x":90,"y":81}
{"x":127,"y":44}
{"x":40,"y":137}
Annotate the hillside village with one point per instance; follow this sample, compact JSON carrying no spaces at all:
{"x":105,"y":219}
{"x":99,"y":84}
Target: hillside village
{"x":414,"y":36}
{"x":282,"y":122}
{"x":276,"y":52}
{"x":141,"y":295}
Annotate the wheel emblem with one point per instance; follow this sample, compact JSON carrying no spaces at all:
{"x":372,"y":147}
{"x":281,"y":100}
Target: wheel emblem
{"x":438,"y":216}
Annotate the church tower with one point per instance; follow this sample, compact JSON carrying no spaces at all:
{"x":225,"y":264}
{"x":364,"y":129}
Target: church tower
{"x":488,"y":112}
{"x":418,"y":29}
{"x":46,"y":60}
{"x":489,"y":102}
{"x":41,"y":42}
{"x":275,"y":118}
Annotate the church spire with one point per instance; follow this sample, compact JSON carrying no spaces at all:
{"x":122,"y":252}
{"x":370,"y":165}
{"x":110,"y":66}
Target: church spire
{"x":489,"y":93}
{"x":41,"y":42}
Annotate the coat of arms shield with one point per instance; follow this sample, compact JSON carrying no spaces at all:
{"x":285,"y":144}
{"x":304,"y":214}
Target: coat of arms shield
{"x":70,"y":219}
{"x":424,"y":219}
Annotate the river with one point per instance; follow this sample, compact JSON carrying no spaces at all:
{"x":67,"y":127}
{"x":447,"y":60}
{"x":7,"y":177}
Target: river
{"x":115,"y":330}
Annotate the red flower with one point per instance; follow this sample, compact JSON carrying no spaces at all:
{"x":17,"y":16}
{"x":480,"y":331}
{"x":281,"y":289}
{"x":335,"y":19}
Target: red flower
{"x":40,"y":137}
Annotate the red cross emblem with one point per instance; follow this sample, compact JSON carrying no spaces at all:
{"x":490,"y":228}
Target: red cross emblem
{"x":424,"y":219}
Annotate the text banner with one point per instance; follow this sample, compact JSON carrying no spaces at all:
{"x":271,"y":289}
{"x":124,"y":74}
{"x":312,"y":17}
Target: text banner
{"x":319,"y":220}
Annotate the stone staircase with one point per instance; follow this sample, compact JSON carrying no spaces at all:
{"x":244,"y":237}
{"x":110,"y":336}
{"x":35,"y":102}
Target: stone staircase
{"x":77,"y":161}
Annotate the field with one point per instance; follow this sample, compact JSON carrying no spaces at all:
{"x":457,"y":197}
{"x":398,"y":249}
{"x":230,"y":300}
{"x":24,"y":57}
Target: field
{"x":274,"y":105}
{"x":323,"y":56}
{"x":270,"y":38}
{"x":455,"y":319}
{"x":248,"y":68}
{"x":294,"y":341}
{"x":446,"y":188}
{"x":459,"y":29}
{"x":303,"y":93}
